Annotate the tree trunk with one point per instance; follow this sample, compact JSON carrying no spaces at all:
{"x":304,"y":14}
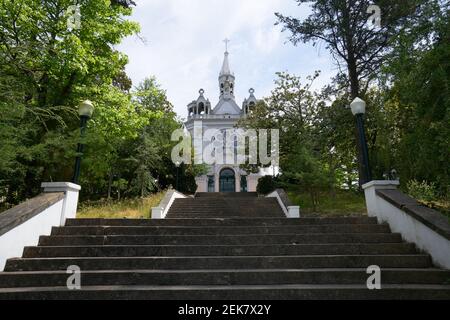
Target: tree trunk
{"x":353,"y":76}
{"x":313,"y":200}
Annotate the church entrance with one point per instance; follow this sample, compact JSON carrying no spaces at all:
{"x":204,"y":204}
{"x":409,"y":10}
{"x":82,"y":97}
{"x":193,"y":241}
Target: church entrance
{"x":227,"y":181}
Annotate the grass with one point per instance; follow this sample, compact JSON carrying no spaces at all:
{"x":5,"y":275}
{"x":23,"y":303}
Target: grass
{"x":125,"y":208}
{"x":441,"y":205}
{"x":345,"y":203}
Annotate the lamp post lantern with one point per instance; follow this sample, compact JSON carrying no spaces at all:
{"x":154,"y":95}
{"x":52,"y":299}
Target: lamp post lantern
{"x":358,"y":107}
{"x":85,"y":110}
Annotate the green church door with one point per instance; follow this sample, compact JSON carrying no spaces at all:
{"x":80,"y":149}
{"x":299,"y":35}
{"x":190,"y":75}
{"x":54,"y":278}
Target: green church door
{"x":227,"y":181}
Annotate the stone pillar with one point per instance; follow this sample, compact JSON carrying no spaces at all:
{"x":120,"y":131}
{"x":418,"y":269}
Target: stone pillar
{"x":371,"y":197}
{"x":216,"y":182}
{"x":237,"y":178}
{"x":293,"y":212}
{"x":71,"y":190}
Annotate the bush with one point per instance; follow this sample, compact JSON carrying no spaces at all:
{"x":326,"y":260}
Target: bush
{"x":266,"y":184}
{"x":422,"y":190}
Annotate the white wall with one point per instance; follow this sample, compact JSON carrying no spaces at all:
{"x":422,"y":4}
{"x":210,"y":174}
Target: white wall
{"x":27,"y":233}
{"x":411,"y":229}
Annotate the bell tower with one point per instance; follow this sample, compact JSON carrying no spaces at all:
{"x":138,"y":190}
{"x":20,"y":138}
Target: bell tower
{"x":226,"y":77}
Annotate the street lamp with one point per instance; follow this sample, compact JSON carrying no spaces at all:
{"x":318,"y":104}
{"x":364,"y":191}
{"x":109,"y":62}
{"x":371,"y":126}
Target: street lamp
{"x":177,"y":164}
{"x":358,"y":107}
{"x":85,"y":110}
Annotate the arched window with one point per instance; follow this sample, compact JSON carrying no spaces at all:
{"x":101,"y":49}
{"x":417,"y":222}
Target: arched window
{"x":201,"y":108}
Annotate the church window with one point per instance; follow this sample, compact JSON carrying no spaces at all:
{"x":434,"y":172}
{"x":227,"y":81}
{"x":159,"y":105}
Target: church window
{"x":210,"y":183}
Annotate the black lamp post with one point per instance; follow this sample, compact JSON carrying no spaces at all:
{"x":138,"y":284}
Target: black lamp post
{"x":358,"y":107}
{"x":85,"y":110}
{"x":177,"y":164}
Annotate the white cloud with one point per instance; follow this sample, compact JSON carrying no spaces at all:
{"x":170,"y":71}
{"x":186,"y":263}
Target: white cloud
{"x":184,"y":47}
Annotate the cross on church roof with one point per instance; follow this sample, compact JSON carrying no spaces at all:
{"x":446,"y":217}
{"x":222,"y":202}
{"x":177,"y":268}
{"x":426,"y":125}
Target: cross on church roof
{"x":226,"y":40}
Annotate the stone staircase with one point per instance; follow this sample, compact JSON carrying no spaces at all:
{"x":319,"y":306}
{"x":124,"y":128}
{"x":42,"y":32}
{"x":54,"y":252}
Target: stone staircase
{"x":223,"y":246}
{"x":225,"y":204}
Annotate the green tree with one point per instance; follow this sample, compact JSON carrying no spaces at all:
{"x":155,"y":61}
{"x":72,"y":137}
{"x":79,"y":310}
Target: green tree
{"x":418,"y":102}
{"x":293,"y":108}
{"x":46,"y":71}
{"x":358,"y":49}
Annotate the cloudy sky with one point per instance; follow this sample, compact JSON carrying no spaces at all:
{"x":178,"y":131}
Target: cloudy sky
{"x":184,"y":47}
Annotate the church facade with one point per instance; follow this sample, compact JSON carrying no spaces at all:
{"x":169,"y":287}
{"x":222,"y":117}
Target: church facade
{"x":227,"y":176}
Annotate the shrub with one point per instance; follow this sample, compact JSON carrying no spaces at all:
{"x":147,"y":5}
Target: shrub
{"x":266,"y":184}
{"x":422,"y":190}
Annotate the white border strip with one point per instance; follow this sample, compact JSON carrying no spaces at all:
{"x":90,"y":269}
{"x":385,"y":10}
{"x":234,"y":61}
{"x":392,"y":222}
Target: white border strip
{"x":160,"y":212}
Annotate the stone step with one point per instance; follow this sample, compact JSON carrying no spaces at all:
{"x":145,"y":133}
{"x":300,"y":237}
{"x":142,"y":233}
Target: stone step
{"x":220,"y":262}
{"x":254,"y":210}
{"x":226,"y":195}
{"x":224,"y":215}
{"x":218,"y":250}
{"x":238,"y":292}
{"x":223,"y":277}
{"x":232,"y":221}
{"x":218,"y":230}
{"x":230,"y":200}
{"x":233,"y":206}
{"x":312,"y":238}
{"x":226,"y":200}
{"x":223,"y":206}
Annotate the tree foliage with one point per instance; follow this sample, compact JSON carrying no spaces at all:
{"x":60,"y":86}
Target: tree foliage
{"x":342,"y":25}
{"x":401,"y":70}
{"x":47,"y":69}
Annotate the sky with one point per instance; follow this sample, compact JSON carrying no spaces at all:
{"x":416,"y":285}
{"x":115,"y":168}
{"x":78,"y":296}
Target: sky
{"x":183,"y":47}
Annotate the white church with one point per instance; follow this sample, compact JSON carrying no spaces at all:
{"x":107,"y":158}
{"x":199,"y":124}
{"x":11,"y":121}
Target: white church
{"x":226,"y":177}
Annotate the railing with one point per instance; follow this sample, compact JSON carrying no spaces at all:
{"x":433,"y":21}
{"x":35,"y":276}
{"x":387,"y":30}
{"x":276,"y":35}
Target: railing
{"x":286,"y":205}
{"x":23,"y":224}
{"x":161,"y":210}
